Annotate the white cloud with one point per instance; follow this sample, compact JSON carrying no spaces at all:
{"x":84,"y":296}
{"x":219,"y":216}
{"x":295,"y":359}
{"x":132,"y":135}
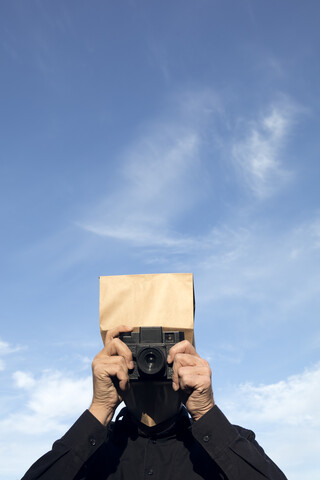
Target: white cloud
{"x":165,"y":171}
{"x":141,"y":233}
{"x":17,"y":453}
{"x":160,"y":177}
{"x":294,"y":401}
{"x":49,"y":402}
{"x":6,"y":349}
{"x":24,"y":380}
{"x":276,"y":412}
{"x":285,"y":417}
{"x":156,"y":185}
{"x":58,"y":397}
{"x":257,"y":156}
{"x":48,"y":406}
{"x":159,"y":160}
{"x":296,"y":451}
{"x":278,"y":272}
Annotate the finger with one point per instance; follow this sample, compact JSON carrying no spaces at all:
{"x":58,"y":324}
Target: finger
{"x":103,"y":361}
{"x":117,"y":347}
{"x":185,"y":359}
{"x":181,"y":347}
{"x":114,"y":370}
{"x":115,"y":332}
{"x":196,"y":371}
{"x":123,"y":379}
{"x":179,"y":371}
{"x":201,"y":383}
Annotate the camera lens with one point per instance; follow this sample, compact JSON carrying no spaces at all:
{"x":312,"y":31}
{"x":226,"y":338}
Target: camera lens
{"x":150,"y":361}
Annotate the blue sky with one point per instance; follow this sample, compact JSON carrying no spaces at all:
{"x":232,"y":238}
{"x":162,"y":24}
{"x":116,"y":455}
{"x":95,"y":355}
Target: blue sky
{"x":149,"y":137}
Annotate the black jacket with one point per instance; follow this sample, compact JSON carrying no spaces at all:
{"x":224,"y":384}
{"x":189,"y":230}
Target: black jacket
{"x":210,"y":449}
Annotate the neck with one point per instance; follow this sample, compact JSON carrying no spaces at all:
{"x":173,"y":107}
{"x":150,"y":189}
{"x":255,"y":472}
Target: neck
{"x":152,"y":403}
{"x":147,"y":420}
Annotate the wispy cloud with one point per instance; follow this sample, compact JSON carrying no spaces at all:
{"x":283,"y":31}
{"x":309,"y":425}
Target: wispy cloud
{"x":6,"y":349}
{"x":257,"y":155}
{"x":165,"y":171}
{"x":285,"y":417}
{"x":47,"y":406}
{"x":274,"y":411}
{"x":160,"y":176}
{"x":156,"y":186}
{"x":293,"y":401}
{"x":49,"y":402}
{"x":242,"y":261}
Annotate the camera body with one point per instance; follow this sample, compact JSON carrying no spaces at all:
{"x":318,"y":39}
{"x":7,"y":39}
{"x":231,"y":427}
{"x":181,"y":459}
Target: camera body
{"x":150,"y":347}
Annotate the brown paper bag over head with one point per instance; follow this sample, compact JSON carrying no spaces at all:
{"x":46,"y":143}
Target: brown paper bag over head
{"x":151,"y":300}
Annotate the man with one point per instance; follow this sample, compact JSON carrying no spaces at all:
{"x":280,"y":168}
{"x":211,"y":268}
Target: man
{"x":154,"y":437}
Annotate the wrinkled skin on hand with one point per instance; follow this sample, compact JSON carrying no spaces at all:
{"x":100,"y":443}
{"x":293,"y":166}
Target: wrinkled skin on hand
{"x":110,"y":375}
{"x":192,"y":376}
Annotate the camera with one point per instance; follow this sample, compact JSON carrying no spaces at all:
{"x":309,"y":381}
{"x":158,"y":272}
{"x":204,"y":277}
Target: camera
{"x":150,"y":347}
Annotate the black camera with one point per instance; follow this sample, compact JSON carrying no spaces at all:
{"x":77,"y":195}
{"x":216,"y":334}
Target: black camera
{"x":150,"y":348}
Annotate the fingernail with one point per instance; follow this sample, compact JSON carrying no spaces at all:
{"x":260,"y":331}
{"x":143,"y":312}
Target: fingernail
{"x":169,"y":360}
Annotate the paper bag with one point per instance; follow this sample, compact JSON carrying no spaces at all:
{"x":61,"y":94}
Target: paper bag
{"x":164,"y":299}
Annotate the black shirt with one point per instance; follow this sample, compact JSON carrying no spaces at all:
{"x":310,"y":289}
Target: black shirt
{"x":210,"y":449}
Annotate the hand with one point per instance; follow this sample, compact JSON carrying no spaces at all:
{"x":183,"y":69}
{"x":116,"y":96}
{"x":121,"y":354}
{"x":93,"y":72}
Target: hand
{"x":192,"y":375}
{"x":110,"y":375}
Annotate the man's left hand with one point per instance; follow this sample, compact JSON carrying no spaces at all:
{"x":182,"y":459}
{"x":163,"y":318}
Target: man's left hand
{"x":192,"y":375}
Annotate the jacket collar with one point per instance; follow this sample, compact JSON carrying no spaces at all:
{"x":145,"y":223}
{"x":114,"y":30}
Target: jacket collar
{"x":171,"y":427}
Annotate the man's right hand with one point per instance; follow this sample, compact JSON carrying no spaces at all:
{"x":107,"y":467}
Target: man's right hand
{"x":110,"y":375}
